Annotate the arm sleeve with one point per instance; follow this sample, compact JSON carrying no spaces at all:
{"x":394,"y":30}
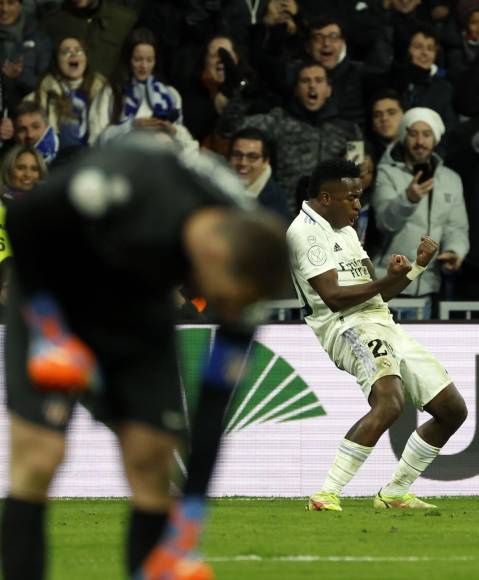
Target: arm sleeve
{"x":100,"y":114}
{"x":391,"y":206}
{"x":456,"y":231}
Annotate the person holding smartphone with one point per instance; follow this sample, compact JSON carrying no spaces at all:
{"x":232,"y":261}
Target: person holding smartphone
{"x":416,"y":195}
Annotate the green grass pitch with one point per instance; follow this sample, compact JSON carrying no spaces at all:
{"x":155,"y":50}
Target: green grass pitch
{"x":250,"y":539}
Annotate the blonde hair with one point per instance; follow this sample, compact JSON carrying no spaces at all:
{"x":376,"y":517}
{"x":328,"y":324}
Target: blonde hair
{"x":10,"y":159}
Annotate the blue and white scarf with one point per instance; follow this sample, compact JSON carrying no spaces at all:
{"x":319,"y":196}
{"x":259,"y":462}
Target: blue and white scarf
{"x":48,"y":145}
{"x":158,"y":96}
{"x":76,"y":129}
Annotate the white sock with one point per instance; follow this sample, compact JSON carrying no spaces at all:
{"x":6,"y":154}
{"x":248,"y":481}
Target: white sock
{"x":348,"y":460}
{"x":417,"y":455}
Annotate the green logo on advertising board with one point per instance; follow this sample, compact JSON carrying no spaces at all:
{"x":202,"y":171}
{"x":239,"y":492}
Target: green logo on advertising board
{"x":271,"y":391}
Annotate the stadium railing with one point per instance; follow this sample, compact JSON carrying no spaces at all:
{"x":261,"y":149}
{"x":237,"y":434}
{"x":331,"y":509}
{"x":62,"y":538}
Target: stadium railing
{"x":466,"y":308}
{"x":283,"y":309}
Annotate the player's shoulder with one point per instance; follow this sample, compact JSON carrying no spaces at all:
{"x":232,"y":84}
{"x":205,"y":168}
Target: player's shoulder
{"x":303,"y":226}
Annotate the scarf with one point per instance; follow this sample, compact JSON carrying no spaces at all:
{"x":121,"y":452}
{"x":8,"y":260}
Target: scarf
{"x":48,"y":145}
{"x":158,"y":97}
{"x":76,"y":130}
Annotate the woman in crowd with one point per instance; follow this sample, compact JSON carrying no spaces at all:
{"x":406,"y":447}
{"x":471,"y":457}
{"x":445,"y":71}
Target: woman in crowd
{"x":136,"y":98}
{"x":218,"y":74}
{"x":22,"y":167}
{"x":67,"y":91}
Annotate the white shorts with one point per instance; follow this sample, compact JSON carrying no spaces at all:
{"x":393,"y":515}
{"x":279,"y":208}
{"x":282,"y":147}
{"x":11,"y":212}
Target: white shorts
{"x":372,"y":351}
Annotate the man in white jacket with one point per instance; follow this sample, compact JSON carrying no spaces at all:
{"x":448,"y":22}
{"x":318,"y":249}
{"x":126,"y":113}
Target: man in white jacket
{"x":416,"y":194}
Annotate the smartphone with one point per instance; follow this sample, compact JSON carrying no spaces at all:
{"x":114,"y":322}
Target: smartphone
{"x":427,"y":171}
{"x":355,"y":151}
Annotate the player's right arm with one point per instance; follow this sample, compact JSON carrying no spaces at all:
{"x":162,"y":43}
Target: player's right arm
{"x":339,"y":298}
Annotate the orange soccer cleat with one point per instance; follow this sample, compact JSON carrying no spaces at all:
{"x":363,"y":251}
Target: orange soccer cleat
{"x":64,"y":364}
{"x":163,"y":565}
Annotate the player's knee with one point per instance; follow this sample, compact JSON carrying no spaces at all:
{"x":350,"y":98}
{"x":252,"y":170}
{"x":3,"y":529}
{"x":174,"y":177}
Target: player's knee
{"x":457,"y":413}
{"x":33,"y":471}
{"x":388,"y":404}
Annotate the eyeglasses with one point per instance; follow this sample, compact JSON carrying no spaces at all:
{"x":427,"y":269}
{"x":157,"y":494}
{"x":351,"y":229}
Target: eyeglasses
{"x":238,"y":155}
{"x":332,"y":36}
{"x":72,"y":52}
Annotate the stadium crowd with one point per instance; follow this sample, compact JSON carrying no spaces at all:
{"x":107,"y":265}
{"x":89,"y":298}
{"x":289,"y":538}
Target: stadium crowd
{"x":274,"y":86}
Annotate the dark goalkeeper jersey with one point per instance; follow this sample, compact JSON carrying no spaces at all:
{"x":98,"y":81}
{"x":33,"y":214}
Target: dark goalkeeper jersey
{"x":105,"y":235}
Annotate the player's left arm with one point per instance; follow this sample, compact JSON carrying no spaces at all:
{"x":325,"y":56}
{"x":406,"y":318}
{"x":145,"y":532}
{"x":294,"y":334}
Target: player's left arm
{"x":425,"y":252}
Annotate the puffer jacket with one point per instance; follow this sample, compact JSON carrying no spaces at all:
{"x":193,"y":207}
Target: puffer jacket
{"x":441,"y":215}
{"x":301,"y":140}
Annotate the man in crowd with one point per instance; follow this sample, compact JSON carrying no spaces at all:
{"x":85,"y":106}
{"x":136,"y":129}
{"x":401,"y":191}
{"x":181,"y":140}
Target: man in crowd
{"x":345,"y":306}
{"x":326,"y":44}
{"x":125,"y":226}
{"x":307,"y":129}
{"x":415,"y":193}
{"x":31,"y":128}
{"x":386,"y":112}
{"x":250,"y":156}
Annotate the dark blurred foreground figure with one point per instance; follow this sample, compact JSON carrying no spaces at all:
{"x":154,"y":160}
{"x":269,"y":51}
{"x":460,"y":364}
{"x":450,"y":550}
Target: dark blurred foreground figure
{"x":136,"y":221}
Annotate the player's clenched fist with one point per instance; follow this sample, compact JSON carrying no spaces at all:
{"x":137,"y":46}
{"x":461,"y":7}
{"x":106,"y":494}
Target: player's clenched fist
{"x":398,"y":265}
{"x":426,"y":250}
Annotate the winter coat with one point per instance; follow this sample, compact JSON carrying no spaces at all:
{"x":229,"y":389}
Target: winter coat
{"x":103,"y":31}
{"x":26,"y":41}
{"x":441,"y":215}
{"x":301,"y":139}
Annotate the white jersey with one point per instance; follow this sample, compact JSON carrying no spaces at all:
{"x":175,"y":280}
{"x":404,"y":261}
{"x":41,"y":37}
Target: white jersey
{"x":315,"y":248}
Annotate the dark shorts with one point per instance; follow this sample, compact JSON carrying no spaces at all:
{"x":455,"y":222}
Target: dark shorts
{"x":140,"y":386}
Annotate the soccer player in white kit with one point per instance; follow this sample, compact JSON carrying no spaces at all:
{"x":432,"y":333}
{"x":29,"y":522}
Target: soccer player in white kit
{"x":345,"y":306}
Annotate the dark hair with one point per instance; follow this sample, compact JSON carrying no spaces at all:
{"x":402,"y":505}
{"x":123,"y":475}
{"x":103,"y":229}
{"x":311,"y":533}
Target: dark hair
{"x":331,"y":170}
{"x":327,"y":20}
{"x":255,"y":135}
{"x":121,"y":76}
{"x":259,"y":252}
{"x":62,"y":104}
{"x":425,"y":28}
{"x":386,"y":93}
{"x":29,"y":108}
{"x":300,"y":66}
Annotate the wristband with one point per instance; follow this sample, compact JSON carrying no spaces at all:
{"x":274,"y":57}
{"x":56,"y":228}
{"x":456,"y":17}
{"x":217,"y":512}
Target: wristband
{"x":415,"y":271}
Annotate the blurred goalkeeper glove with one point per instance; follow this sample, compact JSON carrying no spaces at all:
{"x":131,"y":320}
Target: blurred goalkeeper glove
{"x":57,"y":359}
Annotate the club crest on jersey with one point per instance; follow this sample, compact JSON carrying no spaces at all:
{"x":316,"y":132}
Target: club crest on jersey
{"x":316,"y":255}
{"x":337,"y":247}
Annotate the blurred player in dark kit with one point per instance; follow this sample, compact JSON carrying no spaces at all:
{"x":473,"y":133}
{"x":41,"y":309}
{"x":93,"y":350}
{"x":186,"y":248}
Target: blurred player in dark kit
{"x":124,"y":227}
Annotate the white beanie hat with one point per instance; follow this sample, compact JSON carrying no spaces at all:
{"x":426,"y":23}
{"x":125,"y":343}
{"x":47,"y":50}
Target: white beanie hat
{"x":425,"y":115}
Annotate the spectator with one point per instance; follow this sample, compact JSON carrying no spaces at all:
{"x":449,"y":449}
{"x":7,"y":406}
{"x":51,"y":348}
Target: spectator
{"x":67,"y":91}
{"x":386,"y":113}
{"x":304,"y":131}
{"x":326,"y":44}
{"x":22,"y":167}
{"x":463,"y":157}
{"x":276,"y":41}
{"x":416,"y":195}
{"x":25,"y":52}
{"x":463,"y":49}
{"x":31,"y":128}
{"x":420,"y":82}
{"x":219,"y":74}
{"x":101,"y":25}
{"x":136,"y":98}
{"x":250,"y":156}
